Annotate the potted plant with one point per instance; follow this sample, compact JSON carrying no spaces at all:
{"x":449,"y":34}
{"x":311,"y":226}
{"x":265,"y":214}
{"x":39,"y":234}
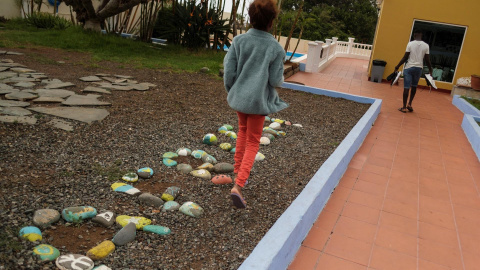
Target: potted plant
{"x":475,"y":82}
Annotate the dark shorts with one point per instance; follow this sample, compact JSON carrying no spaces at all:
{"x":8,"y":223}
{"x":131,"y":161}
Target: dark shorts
{"x":411,"y":76}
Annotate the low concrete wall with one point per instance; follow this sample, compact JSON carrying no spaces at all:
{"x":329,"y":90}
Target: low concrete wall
{"x":464,"y":106}
{"x":472,"y":131}
{"x":278,"y":247}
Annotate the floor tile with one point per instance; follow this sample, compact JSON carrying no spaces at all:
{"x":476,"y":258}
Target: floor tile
{"x":335,"y":263}
{"x":349,"y":249}
{"x":402,"y":209}
{"x":440,"y":254}
{"x":383,"y":258}
{"x":366,"y":199}
{"x":396,"y":241}
{"x":355,"y":229}
{"x":305,"y":259}
{"x":316,"y":238}
{"x":399,"y":223}
{"x":326,"y":220}
{"x":438,"y":234}
{"x":362,"y":213}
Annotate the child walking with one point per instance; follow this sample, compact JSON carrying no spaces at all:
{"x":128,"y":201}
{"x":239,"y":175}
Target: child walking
{"x":253,"y":68}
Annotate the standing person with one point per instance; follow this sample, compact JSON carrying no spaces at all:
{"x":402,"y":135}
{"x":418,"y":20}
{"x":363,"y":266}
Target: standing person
{"x":416,"y":52}
{"x":253,"y":68}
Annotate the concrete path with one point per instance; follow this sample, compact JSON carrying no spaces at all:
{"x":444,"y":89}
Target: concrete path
{"x":410,"y":197}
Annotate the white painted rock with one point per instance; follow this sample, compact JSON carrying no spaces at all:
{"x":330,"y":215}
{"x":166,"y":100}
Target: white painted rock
{"x":264,"y":141}
{"x":259,"y":157}
{"x":74,"y":262}
{"x":275,"y":126}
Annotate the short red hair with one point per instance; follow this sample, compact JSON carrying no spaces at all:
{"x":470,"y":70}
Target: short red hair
{"x":262,"y":13}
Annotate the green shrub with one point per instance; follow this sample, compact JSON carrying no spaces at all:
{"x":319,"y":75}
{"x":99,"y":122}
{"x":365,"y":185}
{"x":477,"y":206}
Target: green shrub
{"x":47,"y":21}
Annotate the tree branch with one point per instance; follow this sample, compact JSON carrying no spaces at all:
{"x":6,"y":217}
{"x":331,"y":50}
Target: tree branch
{"x":87,"y":4}
{"x":114,"y":7}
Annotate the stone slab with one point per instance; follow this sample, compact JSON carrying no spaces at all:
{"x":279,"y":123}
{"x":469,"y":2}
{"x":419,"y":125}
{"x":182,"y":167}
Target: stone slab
{"x":22,"y":70}
{"x":148,"y":84}
{"x":59,"y":85}
{"x":139,"y":87}
{"x":5,"y":86}
{"x":96,"y":90}
{"x":21,"y":79}
{"x":15,"y":111}
{"x":13,"y":103}
{"x":48,"y":100}
{"x":90,"y":79}
{"x":24,"y":84}
{"x":4,"y":68}
{"x":88,"y":100}
{"x":20,"y":95}
{"x":51,"y":81}
{"x":11,"y":64}
{"x":61,"y":124}
{"x":87,"y":115}
{"x":123,"y":76}
{"x":61,"y":93}
{"x":19,"y":119}
{"x":14,"y":53}
{"x":7,"y":74}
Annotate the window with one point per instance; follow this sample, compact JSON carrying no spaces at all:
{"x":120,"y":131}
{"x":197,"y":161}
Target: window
{"x":445,"y":41}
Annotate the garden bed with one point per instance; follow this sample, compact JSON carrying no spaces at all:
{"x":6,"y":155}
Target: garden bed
{"x":46,"y":168}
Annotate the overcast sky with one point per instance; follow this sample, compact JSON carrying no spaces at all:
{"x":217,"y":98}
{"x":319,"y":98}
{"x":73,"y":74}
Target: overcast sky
{"x":228,"y":6}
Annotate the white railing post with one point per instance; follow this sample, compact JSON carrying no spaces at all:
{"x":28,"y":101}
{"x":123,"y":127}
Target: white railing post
{"x":320,"y":48}
{"x":335,"y":39}
{"x":312,"y":58}
{"x":329,"y":43}
{"x":350,"y":45}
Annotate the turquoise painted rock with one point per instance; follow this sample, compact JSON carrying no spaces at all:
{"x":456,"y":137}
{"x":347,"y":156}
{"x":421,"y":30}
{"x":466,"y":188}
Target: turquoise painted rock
{"x":145,"y":172}
{"x":226,"y":146}
{"x":209,"y":159}
{"x":184,"y":151}
{"x":31,"y":233}
{"x":282,"y":133}
{"x":210,"y":139}
{"x":206,"y":166}
{"x":46,"y":253}
{"x":232,"y":135}
{"x":270,"y":131}
{"x":130,"y":177}
{"x":184,"y":168}
{"x":171,"y":193}
{"x":124,"y":188}
{"x":101,"y":251}
{"x":229,"y":127}
{"x":170,"y":155}
{"x":78,"y":213}
{"x":267,"y":119}
{"x":157,"y":229}
{"x":191,"y":209}
{"x":259,"y":157}
{"x":222,"y":129}
{"x":269,"y":136}
{"x":102,"y":267}
{"x":233,"y":150}
{"x":139,"y":222}
{"x":198,"y":154}
{"x":204,"y":174}
{"x":170,"y":206}
{"x":169,"y":162}
{"x":74,"y":262}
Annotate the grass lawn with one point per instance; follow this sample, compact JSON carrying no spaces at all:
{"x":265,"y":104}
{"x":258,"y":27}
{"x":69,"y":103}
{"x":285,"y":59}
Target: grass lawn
{"x":473,"y":101}
{"x":17,"y":34}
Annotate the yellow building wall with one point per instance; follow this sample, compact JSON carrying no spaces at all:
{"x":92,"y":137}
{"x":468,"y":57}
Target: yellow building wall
{"x":9,"y":9}
{"x":396,"y":22}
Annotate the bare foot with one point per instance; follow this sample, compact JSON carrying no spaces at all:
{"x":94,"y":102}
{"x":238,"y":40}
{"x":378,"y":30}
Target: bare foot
{"x":237,"y":189}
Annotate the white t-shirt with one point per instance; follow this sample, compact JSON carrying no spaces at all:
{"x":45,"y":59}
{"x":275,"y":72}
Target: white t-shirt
{"x":417,"y":50}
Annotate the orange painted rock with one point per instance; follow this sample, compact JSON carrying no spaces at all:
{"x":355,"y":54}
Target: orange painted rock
{"x":222,"y":179}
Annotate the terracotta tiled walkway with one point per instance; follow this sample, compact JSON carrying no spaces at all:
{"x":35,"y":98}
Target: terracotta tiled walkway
{"x":410,"y":197}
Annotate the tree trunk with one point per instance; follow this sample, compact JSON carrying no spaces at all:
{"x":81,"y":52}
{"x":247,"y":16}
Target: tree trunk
{"x":287,"y":43}
{"x":93,"y":24}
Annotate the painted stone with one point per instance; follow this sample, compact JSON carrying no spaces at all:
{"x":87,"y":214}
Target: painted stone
{"x":229,"y":127}
{"x":198,"y":154}
{"x":233,"y":150}
{"x":210,"y":139}
{"x":222,"y":179}
{"x":157,"y":229}
{"x":46,"y":253}
{"x":282,"y":133}
{"x":232,"y":135}
{"x":45,"y":217}
{"x":184,"y":152}
{"x":288,"y":123}
{"x":78,"y":213}
{"x":74,"y":262}
{"x":31,"y":233}
{"x":145,"y":172}
{"x":223,"y":167}
{"x":170,"y":193}
{"x":170,"y":155}
{"x":170,"y":206}
{"x":191,"y":209}
{"x":184,"y":168}
{"x":275,"y":126}
{"x":151,"y":200}
{"x":269,"y":136}
{"x":102,"y":267}
{"x":101,"y":251}
{"x":130,"y":177}
{"x":259,"y":157}
{"x":124,"y":188}
{"x":226,"y":146}
{"x":264,"y":141}
{"x":209,"y":159}
{"x":169,"y":162}
{"x":222,"y":130}
{"x":206,"y":166}
{"x":139,"y":222}
{"x":204,"y":174}
{"x":105,"y":219}
{"x":125,"y":235}
{"x":298,"y":125}
{"x":280,"y":121}
{"x":267,"y":119}
{"x":270,"y":131}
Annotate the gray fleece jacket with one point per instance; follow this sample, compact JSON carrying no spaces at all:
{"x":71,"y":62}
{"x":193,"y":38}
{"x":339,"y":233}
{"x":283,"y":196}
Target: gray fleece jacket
{"x":253,"y":68}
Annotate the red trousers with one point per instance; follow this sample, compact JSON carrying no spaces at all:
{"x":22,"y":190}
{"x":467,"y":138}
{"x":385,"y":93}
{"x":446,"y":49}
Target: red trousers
{"x":250,"y":128}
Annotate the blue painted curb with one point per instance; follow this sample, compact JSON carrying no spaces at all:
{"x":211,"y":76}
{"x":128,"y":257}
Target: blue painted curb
{"x":472,"y":130}
{"x":464,"y":106}
{"x":278,"y":247}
